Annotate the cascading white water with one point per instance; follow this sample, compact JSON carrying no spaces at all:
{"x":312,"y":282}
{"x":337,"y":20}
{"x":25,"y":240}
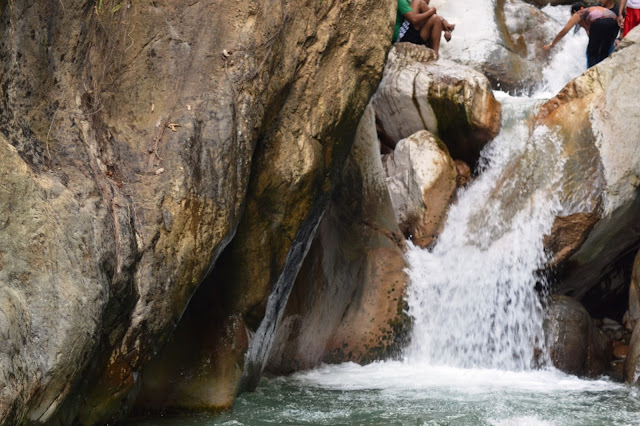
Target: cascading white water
{"x":473,"y":297}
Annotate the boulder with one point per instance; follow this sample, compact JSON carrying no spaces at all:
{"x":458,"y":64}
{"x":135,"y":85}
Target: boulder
{"x":632,"y":361}
{"x":501,"y":38}
{"x":634,"y":294}
{"x":463,"y":173}
{"x":421,"y":177}
{"x":620,"y":351}
{"x":451,"y":101}
{"x":295,"y":168}
{"x":133,"y":138}
{"x":575,"y":345}
{"x":596,"y":121}
{"x":567,"y":235}
{"x":348,"y":300}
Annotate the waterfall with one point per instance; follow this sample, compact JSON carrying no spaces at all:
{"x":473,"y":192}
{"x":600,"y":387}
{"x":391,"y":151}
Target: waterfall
{"x":476,"y":297}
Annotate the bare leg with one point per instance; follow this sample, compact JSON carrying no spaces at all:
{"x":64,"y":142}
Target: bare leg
{"x":436,"y":33}
{"x":420,"y":6}
{"x":427,"y":29}
{"x":423,"y":6}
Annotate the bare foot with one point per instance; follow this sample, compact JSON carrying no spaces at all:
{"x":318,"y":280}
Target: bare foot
{"x":447,"y":26}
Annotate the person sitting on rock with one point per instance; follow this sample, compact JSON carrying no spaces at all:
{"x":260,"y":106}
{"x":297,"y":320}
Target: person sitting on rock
{"x":601,"y":25}
{"x":418,"y":23}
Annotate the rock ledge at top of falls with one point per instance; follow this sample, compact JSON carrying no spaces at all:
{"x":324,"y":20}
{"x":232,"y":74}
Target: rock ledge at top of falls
{"x":542,"y":3}
{"x":452,"y":101}
{"x":597,"y":120}
{"x":502,"y":39}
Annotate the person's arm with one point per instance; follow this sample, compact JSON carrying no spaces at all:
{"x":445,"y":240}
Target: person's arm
{"x":575,"y":18}
{"x":420,"y":13}
{"x":623,"y":7}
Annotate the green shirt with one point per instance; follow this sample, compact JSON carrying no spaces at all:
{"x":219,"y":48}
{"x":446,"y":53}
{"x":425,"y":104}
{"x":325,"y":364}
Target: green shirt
{"x":404,"y":6}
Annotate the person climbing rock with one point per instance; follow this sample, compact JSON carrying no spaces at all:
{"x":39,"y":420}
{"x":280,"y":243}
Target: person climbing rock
{"x":601,"y":26}
{"x":418,"y":23}
{"x":629,"y":15}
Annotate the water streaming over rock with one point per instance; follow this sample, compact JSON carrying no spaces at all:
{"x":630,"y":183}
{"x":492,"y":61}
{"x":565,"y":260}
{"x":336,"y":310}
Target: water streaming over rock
{"x":476,"y":297}
{"x":473,"y":297}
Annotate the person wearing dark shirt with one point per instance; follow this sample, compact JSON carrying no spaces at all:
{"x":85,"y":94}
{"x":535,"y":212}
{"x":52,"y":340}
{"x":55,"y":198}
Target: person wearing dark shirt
{"x":609,"y":4}
{"x":601,"y":25}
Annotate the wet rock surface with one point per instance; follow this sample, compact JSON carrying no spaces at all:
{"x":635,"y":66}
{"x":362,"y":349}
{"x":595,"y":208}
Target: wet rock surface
{"x":133,"y":138}
{"x":450,"y":100}
{"x":594,"y":118}
{"x":507,"y":36}
{"x":348,"y":300}
{"x":575,"y":345}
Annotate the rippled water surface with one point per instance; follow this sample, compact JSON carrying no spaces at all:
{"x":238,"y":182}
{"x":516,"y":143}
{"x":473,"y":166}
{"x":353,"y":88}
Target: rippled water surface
{"x":399,"y":393}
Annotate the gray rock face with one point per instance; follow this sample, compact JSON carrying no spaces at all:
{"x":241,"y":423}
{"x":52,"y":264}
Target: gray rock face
{"x":53,"y":292}
{"x":598,"y":121}
{"x":127,"y":142}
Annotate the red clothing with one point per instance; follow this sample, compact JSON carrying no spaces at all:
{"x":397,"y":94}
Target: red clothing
{"x":631,"y":20}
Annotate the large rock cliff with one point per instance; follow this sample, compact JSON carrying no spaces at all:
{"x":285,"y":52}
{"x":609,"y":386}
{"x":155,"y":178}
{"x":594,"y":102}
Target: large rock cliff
{"x":131,"y":134}
{"x":597,"y":122}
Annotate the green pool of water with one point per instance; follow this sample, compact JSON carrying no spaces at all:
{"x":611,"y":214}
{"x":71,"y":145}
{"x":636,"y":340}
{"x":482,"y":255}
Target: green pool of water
{"x":396,"y":393}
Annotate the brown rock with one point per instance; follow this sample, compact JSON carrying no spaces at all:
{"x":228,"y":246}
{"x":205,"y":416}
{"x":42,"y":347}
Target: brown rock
{"x":347,"y":302}
{"x":620,"y":351}
{"x":133,"y":138}
{"x":463,"y":173}
{"x":600,"y":174}
{"x":634,"y":294}
{"x":421,"y":177}
{"x":567,"y":235}
{"x":632,"y":362}
{"x":576,"y":346}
